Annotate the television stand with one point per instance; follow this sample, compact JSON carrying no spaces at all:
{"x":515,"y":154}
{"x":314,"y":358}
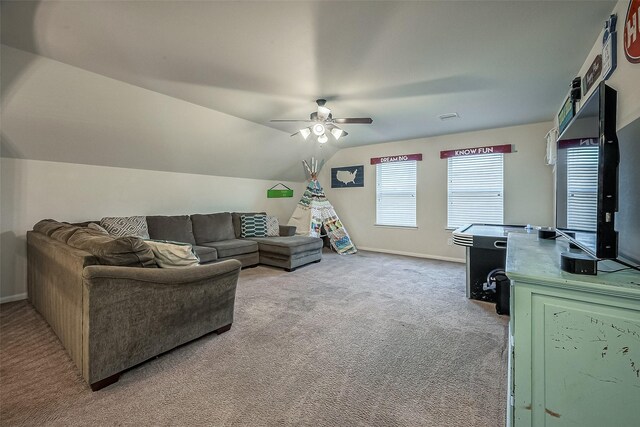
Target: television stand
{"x":574,"y":340}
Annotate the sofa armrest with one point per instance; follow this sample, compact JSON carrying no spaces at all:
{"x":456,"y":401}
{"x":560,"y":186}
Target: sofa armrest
{"x":132,"y":314}
{"x":287,"y":230}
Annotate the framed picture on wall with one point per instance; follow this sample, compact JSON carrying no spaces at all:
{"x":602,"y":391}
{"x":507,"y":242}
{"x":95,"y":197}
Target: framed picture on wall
{"x":347,"y":176}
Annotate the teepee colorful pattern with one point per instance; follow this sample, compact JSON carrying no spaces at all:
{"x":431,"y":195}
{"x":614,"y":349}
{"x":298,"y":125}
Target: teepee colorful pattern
{"x":314,"y":212}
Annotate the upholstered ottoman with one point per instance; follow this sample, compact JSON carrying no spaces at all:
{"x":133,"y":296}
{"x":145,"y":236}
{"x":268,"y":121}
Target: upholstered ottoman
{"x":288,"y":252}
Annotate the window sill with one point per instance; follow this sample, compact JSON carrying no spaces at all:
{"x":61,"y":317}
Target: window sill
{"x":396,"y":226}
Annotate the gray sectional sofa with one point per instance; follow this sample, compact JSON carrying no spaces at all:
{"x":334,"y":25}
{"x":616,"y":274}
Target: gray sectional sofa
{"x":217,"y":236}
{"x":112,"y":309}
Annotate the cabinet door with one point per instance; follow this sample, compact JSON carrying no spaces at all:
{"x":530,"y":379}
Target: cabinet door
{"x":585,"y":360}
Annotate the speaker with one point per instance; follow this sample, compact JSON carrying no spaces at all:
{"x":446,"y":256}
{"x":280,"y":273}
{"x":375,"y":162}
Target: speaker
{"x":576,"y":91}
{"x":578,"y":263}
{"x":546,"y":233}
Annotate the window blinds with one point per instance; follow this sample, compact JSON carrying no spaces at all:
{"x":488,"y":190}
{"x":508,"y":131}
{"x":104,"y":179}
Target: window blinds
{"x":582,"y":187}
{"x":396,"y":193}
{"x":475,"y":190}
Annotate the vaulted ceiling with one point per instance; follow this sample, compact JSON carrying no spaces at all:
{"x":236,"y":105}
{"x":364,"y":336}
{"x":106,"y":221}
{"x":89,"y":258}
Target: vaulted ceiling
{"x":191,"y":86}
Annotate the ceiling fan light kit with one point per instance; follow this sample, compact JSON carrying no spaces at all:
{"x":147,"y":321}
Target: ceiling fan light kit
{"x":337,"y":133}
{"x":305,"y":133}
{"x":323,"y":112}
{"x":318,"y":129}
{"x":323,"y":120}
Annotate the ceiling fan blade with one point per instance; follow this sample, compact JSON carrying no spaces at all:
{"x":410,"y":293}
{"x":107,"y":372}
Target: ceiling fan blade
{"x":354,"y":120}
{"x":294,"y":134}
{"x":291,"y":121}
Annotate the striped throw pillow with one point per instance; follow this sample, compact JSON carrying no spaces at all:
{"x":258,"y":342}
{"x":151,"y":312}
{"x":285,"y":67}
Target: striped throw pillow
{"x":253,"y":226}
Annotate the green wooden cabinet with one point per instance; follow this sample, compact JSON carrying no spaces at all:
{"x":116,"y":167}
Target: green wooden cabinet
{"x":574,"y":341}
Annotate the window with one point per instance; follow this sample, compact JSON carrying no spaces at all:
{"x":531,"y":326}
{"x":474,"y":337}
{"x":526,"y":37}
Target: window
{"x":582,"y":187}
{"x":396,"y":193}
{"x":475,"y":190}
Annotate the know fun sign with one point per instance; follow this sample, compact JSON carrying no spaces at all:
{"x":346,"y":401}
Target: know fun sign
{"x":507,"y":148}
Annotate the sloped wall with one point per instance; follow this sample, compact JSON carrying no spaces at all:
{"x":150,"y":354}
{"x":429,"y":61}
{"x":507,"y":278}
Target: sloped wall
{"x":57,"y":112}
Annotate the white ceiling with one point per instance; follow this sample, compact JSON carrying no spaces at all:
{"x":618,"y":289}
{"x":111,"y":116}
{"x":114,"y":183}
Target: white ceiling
{"x":402,"y":63}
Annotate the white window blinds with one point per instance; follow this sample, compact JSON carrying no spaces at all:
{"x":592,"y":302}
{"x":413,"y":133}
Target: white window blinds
{"x":396,"y":193}
{"x":582,"y":187}
{"x":475,"y":190}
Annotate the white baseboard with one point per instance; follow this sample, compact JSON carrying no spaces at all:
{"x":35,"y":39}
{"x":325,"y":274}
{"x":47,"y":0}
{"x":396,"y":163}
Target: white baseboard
{"x":12,"y":298}
{"x":413,"y":254}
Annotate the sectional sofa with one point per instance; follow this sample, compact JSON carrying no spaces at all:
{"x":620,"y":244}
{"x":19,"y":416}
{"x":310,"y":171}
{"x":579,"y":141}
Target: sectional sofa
{"x":218,"y":236}
{"x":112,"y":308}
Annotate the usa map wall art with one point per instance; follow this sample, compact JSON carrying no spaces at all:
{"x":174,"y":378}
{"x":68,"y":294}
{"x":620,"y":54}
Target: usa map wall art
{"x":347,"y":176}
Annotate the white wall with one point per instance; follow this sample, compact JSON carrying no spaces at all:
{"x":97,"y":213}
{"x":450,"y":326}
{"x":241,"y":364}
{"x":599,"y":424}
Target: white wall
{"x":626,"y":77}
{"x":31,"y":190}
{"x":528,"y":190}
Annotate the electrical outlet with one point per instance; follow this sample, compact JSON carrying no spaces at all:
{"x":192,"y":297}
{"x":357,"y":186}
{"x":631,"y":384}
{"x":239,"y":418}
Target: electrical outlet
{"x":449,"y":241}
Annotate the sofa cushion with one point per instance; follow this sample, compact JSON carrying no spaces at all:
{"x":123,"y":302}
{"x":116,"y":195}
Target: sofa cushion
{"x":212,"y":227}
{"x":288,"y":245}
{"x":48,"y":226}
{"x":172,"y":255}
{"x":85,"y":223}
{"x":96,"y":227}
{"x":109,"y":250}
{"x":176,"y":228}
{"x":205,"y":253}
{"x":287,"y":230}
{"x":62,"y":234}
{"x":120,"y":226}
{"x":229,"y":248}
{"x":273,"y":226}
{"x":253,"y":226}
{"x":237,"y":222}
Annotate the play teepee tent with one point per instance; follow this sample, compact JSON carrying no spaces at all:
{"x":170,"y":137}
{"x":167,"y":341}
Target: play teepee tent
{"x":314,"y":212}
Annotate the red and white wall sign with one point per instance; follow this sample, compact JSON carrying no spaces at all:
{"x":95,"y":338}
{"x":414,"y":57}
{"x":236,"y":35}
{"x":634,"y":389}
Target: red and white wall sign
{"x":631,"y":34}
{"x":573,"y":143}
{"x":507,"y":148}
{"x":399,"y":158}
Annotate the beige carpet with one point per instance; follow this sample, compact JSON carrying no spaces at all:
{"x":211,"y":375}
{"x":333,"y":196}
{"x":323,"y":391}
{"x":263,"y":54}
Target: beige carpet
{"x":363,"y":340}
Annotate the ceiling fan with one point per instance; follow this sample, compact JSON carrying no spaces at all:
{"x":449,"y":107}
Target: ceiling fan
{"x":324,"y":122}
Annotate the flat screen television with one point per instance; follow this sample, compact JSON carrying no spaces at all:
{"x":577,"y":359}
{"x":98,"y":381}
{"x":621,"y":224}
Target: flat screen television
{"x":587,"y":176}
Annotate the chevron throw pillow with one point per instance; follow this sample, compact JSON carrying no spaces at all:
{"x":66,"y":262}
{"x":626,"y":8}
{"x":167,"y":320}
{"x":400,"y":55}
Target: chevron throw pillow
{"x":253,"y":226}
{"x":121,"y":226}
